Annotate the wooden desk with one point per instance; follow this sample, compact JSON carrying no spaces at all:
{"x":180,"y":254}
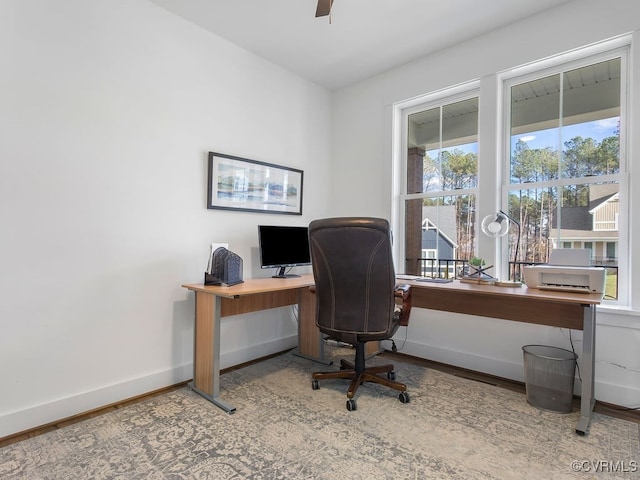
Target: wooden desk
{"x":521,"y":304}
{"x":215,"y":302}
{"x":567,"y":310}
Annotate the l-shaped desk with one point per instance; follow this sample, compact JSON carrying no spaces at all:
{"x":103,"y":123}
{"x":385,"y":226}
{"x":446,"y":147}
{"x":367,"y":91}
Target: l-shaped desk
{"x":566,"y":310}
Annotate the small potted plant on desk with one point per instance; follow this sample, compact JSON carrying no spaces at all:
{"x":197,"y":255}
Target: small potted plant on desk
{"x":476,"y":272}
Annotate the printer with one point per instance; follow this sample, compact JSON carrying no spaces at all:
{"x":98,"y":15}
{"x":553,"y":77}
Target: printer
{"x":566,"y":272}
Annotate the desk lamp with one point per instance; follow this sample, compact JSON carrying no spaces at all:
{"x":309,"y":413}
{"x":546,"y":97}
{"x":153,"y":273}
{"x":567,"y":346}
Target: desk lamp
{"x":496,"y":226}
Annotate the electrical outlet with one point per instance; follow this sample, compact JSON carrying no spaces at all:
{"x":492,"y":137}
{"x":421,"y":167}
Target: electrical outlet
{"x":215,"y":246}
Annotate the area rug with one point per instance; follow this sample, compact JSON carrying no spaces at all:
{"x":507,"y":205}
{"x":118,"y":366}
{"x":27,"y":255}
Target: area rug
{"x":283,"y":429}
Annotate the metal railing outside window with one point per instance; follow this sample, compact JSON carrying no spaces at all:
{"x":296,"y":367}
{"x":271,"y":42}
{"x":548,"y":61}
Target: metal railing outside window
{"x":456,"y":268}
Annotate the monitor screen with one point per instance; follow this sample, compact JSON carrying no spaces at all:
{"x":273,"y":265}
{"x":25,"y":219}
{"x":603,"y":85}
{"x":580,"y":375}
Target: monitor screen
{"x":282,"y":247}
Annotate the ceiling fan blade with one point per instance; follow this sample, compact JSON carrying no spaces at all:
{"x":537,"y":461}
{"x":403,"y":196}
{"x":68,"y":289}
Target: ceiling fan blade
{"x":324,"y":8}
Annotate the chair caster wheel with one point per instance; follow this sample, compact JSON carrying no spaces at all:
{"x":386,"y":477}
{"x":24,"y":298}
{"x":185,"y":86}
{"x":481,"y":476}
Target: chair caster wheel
{"x":391,"y":375}
{"x":351,"y":405}
{"x":403,"y":397}
{"x":315,"y":384}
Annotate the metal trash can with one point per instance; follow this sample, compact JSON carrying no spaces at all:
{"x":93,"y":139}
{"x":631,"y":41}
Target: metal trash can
{"x":549,"y":374}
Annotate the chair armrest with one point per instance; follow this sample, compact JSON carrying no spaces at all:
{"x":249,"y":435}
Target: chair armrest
{"x":312,"y":289}
{"x":402,"y":294}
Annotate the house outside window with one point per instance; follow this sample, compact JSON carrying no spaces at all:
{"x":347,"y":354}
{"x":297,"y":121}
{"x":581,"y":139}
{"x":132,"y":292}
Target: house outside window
{"x":589,"y":246}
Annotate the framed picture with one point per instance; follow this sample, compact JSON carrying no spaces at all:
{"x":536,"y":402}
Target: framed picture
{"x":241,"y":184}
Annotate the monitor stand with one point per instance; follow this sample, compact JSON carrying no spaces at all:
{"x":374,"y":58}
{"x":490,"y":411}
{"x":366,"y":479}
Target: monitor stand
{"x":281,"y":274}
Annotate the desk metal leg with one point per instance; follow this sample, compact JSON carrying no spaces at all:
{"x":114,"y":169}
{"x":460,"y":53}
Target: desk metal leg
{"x":215,"y":400}
{"x":206,"y":350}
{"x":587,"y":400}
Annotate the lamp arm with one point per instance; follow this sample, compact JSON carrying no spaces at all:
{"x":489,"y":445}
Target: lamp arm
{"x":515,"y":257}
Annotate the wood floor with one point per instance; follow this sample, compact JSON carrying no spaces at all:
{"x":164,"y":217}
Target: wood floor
{"x":632,"y":415}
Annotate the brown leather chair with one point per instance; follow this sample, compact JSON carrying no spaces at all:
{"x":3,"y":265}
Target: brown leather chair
{"x":357,"y":298}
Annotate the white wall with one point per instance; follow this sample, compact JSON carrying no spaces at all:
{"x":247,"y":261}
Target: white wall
{"x":107,"y":111}
{"x":362,"y":149}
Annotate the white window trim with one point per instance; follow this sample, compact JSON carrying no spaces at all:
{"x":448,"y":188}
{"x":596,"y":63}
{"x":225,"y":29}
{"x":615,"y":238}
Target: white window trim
{"x":601,"y":51}
{"x":399,"y":111}
{"x":400,"y":115}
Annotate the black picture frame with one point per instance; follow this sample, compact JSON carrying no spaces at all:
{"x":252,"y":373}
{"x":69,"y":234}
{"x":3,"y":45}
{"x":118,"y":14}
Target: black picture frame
{"x":242,"y":184}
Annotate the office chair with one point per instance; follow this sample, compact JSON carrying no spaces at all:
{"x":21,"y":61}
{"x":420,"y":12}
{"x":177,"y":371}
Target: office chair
{"x":356,"y":295}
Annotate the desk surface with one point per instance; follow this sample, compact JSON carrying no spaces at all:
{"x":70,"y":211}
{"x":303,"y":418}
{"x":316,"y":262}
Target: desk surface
{"x":253,"y":286}
{"x":521,"y":291}
{"x":267,"y":284}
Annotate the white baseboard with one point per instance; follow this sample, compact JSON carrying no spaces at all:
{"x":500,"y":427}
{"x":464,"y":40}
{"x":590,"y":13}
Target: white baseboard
{"x":492,"y":366}
{"x":229,"y":359}
{"x":60,"y":409}
{"x":621,"y":395}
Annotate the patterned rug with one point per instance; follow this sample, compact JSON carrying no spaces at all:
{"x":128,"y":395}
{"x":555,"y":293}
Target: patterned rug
{"x":283,"y":429}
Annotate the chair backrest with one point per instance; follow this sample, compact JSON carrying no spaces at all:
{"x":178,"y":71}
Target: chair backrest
{"x":354,"y":278}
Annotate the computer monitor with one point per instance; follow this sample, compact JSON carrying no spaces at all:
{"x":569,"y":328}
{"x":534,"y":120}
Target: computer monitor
{"x":283,"y":247}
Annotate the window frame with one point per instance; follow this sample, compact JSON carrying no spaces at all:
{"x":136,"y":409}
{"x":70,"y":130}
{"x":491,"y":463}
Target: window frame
{"x":402,"y":112}
{"x":494,"y":149}
{"x":618,"y":48}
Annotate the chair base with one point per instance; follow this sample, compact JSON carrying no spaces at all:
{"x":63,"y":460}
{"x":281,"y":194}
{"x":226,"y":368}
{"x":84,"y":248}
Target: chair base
{"x":358,"y":374}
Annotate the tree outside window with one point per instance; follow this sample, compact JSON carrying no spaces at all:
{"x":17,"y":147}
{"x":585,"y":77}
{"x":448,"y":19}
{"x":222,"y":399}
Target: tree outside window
{"x":442,"y":180}
{"x":564,"y":165}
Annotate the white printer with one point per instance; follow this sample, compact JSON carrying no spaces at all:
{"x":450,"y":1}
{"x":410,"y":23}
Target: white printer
{"x":566,"y":272}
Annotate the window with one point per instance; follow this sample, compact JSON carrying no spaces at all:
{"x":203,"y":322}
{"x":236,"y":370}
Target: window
{"x":564,"y":174}
{"x":441,"y":185}
{"x":561,"y":171}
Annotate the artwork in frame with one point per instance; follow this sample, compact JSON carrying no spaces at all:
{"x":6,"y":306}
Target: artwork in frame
{"x":249,"y":185}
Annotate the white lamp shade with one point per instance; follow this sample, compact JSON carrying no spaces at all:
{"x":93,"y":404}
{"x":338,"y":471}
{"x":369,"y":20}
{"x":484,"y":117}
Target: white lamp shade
{"x":495,"y":225}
